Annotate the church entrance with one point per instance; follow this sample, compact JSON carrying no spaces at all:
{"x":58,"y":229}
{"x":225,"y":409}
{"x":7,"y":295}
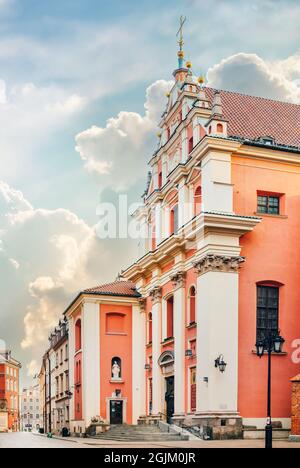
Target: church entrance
{"x":116,"y":412}
{"x":170,"y":398}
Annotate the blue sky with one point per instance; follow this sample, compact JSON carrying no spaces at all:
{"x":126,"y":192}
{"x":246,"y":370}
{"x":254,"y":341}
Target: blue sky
{"x":66,"y":67}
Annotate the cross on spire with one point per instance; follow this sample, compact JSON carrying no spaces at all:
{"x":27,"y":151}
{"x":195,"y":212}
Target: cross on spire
{"x":180,"y":32}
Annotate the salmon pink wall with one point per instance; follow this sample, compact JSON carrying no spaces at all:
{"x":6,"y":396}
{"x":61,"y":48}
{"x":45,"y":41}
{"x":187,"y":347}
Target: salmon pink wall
{"x":116,"y":344}
{"x":190,"y":335}
{"x":272,"y":253}
{"x":78,"y":386}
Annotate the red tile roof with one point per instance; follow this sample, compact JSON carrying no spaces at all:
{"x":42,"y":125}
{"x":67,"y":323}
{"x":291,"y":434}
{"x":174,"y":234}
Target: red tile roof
{"x":118,"y":288}
{"x":254,"y":117}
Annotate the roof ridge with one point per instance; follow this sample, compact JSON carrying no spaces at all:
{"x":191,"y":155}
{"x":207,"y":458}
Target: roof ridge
{"x":110,"y":284}
{"x":238,"y":93}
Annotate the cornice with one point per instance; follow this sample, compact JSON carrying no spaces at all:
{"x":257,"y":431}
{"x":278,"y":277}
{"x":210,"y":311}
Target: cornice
{"x":196,"y":229}
{"x":268,"y":154}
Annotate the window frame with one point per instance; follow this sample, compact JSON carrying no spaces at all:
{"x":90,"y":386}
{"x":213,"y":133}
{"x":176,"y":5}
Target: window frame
{"x":269,"y":205}
{"x":268,"y":307}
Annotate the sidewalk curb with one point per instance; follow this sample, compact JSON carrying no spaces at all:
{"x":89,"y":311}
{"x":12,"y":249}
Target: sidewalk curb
{"x":64,"y":439}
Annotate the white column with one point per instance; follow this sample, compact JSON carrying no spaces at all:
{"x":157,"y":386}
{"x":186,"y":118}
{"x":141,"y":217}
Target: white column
{"x":179,"y":345}
{"x":138,"y":363}
{"x":217,"y":334}
{"x":71,"y":364}
{"x":217,"y":190}
{"x":91,"y":361}
{"x":156,"y":352}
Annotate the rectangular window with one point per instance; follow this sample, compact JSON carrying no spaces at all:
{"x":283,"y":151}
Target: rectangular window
{"x":267,"y":311}
{"x":268,"y":204}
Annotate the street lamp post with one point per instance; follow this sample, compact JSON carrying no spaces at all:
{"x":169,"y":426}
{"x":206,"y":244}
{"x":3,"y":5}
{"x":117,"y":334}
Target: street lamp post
{"x":272,"y":343}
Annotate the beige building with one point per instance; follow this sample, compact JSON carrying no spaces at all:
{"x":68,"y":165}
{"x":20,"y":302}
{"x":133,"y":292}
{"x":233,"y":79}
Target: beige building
{"x":60,"y":395}
{"x":31,"y":416}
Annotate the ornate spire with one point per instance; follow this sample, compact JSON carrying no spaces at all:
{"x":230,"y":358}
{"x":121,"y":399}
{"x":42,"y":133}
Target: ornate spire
{"x":217,"y":105}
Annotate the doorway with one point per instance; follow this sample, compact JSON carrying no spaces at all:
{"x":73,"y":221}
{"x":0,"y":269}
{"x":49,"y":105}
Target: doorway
{"x":170,"y":398}
{"x":116,"y":412}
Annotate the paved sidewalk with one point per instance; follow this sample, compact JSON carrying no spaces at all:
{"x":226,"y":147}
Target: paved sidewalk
{"x":226,"y":444}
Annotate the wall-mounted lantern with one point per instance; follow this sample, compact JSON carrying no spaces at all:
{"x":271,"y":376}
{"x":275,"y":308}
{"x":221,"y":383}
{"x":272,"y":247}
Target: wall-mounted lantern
{"x":220,"y":364}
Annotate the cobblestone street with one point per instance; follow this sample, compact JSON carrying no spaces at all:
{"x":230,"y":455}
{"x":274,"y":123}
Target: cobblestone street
{"x":25,"y":440}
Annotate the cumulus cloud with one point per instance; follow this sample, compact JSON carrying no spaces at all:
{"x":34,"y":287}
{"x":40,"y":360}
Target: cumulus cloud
{"x":248,"y":73}
{"x":46,"y":256}
{"x":117,"y":154}
{"x":33,"y":368}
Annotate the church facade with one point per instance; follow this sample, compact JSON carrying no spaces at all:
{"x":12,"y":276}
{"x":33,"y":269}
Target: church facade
{"x":174,"y":339}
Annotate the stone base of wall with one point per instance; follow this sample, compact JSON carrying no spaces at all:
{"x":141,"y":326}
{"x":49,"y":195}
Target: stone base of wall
{"x":216,"y":427}
{"x":152,"y":420}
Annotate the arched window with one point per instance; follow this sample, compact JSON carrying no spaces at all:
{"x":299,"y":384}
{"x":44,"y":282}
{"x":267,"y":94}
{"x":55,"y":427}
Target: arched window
{"x":78,"y":335}
{"x":170,"y":317}
{"x":150,"y":328}
{"x":160,"y":180}
{"x":192,"y":305}
{"x":116,"y":368}
{"x":174,"y":222}
{"x":153,"y":237}
{"x":191,"y":144}
{"x":198,"y":200}
{"x":219,"y":128}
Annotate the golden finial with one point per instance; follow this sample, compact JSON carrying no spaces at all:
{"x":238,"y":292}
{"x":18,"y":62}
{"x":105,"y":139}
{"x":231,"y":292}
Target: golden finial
{"x":159,"y":134}
{"x":168,"y":95}
{"x":189,"y":64}
{"x":201,"y":80}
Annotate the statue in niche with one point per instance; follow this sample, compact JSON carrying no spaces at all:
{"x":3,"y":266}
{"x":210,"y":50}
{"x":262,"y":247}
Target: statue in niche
{"x":116,"y":371}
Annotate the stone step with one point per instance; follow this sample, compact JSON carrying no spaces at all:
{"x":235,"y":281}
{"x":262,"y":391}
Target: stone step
{"x":143,"y":438}
{"x":139,"y":433}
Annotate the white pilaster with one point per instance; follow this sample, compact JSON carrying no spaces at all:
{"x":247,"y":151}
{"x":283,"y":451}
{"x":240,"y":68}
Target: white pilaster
{"x":155,"y":177}
{"x":71,"y":364}
{"x":183,"y":203}
{"x":156,"y":352}
{"x":184,"y":151}
{"x":179,"y":345}
{"x":217,"y":190}
{"x":158,"y":223}
{"x":91,"y":361}
{"x":217,"y":334}
{"x":164,"y":169}
{"x":138,"y":363}
{"x":196,"y":130}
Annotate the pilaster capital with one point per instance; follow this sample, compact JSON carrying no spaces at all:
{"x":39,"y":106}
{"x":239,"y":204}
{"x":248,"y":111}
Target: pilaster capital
{"x":178,"y":279}
{"x":156,"y":294}
{"x":219,"y":263}
{"x":142,"y":303}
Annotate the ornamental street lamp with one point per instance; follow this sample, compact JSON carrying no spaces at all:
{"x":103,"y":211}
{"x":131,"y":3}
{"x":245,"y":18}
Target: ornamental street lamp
{"x":273,"y":342}
{"x":221,"y":364}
